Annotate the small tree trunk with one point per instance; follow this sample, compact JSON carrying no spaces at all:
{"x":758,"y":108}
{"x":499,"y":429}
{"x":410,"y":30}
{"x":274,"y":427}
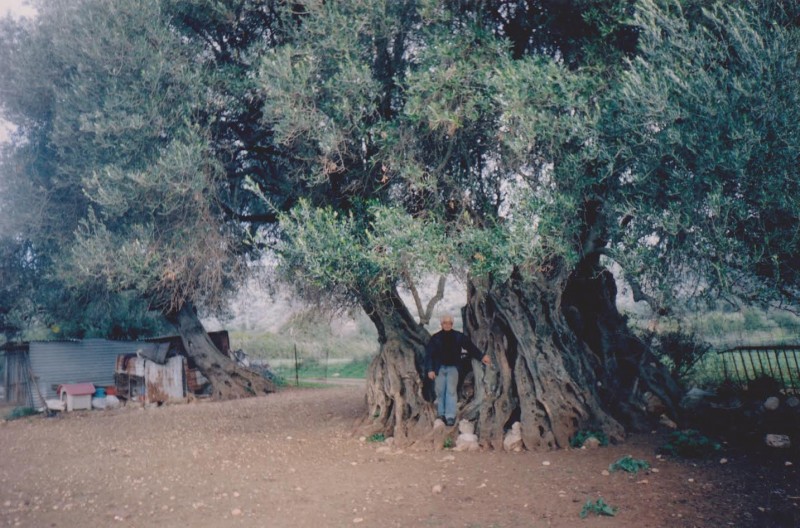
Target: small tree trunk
{"x":395,"y":399}
{"x":542,"y":376}
{"x":228,"y":379}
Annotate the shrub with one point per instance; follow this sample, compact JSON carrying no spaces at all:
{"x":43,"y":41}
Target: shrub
{"x":599,"y":507}
{"x":581,"y":436}
{"x":680,"y":351}
{"x":21,"y":412}
{"x":689,"y":443}
{"x":377,"y":437}
{"x":629,"y":464}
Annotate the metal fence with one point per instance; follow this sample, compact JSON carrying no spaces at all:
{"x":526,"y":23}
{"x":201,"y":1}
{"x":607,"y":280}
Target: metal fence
{"x":743,"y":364}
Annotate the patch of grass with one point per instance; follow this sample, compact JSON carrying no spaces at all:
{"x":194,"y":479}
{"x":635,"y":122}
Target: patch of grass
{"x":312,"y":368}
{"x":21,"y":412}
{"x":581,"y":436}
{"x":377,"y":437}
{"x":598,"y":507}
{"x":629,"y":464}
{"x":310,"y":338}
{"x":448,"y":443}
{"x":689,"y":443}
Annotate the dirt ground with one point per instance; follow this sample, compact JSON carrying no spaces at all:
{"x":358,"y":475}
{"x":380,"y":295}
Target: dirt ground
{"x":291,"y":460}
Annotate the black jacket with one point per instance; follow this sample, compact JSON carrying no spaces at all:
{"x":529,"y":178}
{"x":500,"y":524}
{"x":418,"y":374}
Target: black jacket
{"x":447,"y":348}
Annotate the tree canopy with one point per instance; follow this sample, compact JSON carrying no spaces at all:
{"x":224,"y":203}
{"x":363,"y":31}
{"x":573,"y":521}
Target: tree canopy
{"x":367,"y":143}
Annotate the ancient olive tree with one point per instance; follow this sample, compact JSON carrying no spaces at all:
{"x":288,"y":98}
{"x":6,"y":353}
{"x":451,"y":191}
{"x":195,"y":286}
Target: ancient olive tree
{"x":677,"y":167}
{"x":112,"y":105}
{"x":404,"y":104}
{"x":518,"y":146}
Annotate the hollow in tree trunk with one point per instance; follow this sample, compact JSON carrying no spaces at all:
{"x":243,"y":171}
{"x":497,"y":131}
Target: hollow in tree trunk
{"x":395,"y":400}
{"x":635,"y":385}
{"x":228,"y":379}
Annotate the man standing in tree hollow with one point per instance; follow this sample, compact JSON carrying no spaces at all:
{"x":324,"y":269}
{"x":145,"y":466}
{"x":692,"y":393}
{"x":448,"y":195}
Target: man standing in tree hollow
{"x":442,"y":356}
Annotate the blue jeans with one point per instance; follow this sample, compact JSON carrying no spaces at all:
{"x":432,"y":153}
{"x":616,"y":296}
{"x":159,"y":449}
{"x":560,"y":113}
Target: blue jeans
{"x":446,"y":396}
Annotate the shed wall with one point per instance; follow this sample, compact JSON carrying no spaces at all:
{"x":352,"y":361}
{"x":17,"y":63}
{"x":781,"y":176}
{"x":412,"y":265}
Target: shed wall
{"x":91,"y":360}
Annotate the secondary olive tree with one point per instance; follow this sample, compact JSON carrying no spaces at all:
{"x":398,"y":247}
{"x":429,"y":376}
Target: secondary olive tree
{"x":112,"y":104}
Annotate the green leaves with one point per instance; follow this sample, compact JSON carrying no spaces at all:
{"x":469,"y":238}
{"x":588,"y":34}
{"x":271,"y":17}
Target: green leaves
{"x":629,"y":464}
{"x":349,"y":254}
{"x":598,"y":507}
{"x":707,"y":158}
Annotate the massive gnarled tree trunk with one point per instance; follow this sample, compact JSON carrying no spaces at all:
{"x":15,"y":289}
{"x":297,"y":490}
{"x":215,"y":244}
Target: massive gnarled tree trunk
{"x":542,"y":375}
{"x":228,"y":379}
{"x":395,"y":398}
{"x":629,"y":369}
{"x":564,"y":359}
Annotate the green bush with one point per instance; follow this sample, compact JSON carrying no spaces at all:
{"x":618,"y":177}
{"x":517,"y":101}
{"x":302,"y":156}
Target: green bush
{"x":689,"y":443}
{"x":629,"y":464}
{"x":598,"y":507}
{"x":680,"y":351}
{"x":21,"y":412}
{"x":581,"y":436}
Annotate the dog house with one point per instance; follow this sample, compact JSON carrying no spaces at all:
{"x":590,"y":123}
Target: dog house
{"x":77,"y":395}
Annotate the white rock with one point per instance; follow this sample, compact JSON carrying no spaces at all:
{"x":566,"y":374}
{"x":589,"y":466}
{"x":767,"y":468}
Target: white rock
{"x":591,"y":443}
{"x":437,"y":488}
{"x":236,"y":512}
{"x":466,"y":427}
{"x":772,"y":403}
{"x":665,"y":421}
{"x":778,"y":441}
{"x":793,"y":402}
{"x":513,"y":439}
{"x":467,"y":442}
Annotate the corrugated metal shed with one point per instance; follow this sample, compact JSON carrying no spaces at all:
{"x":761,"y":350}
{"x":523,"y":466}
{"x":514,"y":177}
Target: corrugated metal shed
{"x":139,"y":379}
{"x":91,"y":360}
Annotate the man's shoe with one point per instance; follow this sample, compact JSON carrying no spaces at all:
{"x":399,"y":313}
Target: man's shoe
{"x":450,"y":422}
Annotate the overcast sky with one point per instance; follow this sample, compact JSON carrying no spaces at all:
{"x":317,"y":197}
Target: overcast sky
{"x":14,"y":8}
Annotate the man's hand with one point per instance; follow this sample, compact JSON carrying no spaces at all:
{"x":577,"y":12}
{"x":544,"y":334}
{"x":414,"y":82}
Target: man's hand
{"x":431,"y":375}
{"x":486,"y":360}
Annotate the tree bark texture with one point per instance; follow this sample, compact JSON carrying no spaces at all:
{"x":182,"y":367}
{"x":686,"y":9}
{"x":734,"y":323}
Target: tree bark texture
{"x":629,"y":370}
{"x":229,"y":380}
{"x":395,"y":399}
{"x":542,"y":375}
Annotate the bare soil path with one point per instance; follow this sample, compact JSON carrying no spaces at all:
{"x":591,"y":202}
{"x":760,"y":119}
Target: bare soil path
{"x":291,"y":460}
